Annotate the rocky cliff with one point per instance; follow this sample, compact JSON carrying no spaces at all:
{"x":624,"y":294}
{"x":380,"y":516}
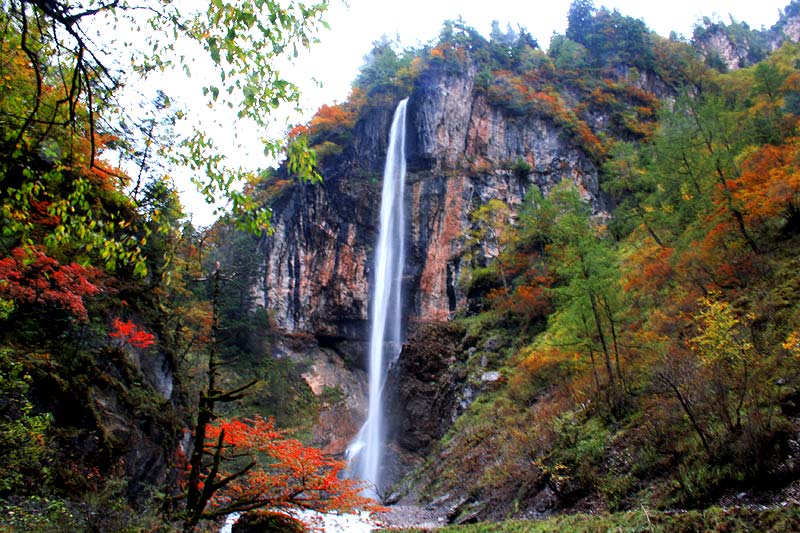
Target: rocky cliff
{"x":462,"y":152}
{"x":735,"y":45}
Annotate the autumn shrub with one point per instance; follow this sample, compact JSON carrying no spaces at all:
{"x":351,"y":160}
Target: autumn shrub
{"x":509,"y":93}
{"x":128,"y":333}
{"x":539,"y":369}
{"x":449,"y":57}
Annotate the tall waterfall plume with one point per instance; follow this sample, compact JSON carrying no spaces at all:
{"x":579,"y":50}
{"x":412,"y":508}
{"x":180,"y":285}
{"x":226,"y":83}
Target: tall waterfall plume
{"x":365,"y":453}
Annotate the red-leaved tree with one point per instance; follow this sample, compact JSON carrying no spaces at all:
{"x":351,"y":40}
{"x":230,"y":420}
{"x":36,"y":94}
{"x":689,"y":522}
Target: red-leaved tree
{"x":241,"y":465}
{"x":30,"y":277}
{"x":272,"y":470}
{"x":128,"y":333}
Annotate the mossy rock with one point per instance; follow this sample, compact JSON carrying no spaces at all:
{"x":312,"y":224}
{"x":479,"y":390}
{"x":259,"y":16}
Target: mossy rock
{"x":268,"y":522}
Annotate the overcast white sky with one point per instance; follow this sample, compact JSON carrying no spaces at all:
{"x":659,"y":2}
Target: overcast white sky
{"x":334,"y":62}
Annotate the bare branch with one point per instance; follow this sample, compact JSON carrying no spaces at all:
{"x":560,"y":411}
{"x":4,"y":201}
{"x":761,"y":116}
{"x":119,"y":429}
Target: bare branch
{"x":34,"y":59}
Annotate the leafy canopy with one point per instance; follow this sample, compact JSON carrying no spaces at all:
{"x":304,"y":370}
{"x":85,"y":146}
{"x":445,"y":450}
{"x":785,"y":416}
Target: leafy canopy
{"x":80,"y":55}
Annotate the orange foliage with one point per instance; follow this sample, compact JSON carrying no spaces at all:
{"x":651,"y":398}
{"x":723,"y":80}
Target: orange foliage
{"x":538,"y":360}
{"x":603,"y":98}
{"x":714,"y":261}
{"x":648,"y":100}
{"x":298,"y":130}
{"x":589,"y":140}
{"x":357,"y":99}
{"x":792,"y":344}
{"x":445,"y":50}
{"x":330,"y":117}
{"x":650,"y":270}
{"x":531,"y":300}
{"x":289,"y":475}
{"x":769,"y":186}
{"x":40,"y":215}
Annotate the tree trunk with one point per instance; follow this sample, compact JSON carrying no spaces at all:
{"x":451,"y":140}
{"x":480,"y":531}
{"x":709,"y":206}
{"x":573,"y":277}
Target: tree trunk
{"x":689,"y":412}
{"x":611,"y":322}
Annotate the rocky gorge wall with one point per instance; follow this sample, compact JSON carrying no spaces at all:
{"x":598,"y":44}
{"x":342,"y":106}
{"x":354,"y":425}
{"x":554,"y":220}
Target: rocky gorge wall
{"x":460,"y":150}
{"x":463,"y":149}
{"x":317,"y":265}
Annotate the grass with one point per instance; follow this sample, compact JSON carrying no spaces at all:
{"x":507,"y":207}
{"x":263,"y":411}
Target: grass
{"x":776,"y":520}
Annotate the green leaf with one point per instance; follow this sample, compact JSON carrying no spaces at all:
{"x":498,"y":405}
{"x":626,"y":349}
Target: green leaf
{"x":213,"y":48}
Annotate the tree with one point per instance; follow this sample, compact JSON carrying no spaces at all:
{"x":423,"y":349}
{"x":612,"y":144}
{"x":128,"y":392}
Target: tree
{"x":723,"y":385}
{"x":580,"y":20}
{"x":381,"y":65}
{"x":492,"y":227}
{"x":285,"y":475}
{"x":567,"y":54}
{"x":75,"y":78}
{"x":769,"y":187}
{"x":29,"y":277}
{"x":241,"y":465}
{"x":587,"y":298}
{"x":632,"y":187}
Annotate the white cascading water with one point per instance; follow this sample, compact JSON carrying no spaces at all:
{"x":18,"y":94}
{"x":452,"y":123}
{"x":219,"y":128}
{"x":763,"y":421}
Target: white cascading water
{"x":365,"y":453}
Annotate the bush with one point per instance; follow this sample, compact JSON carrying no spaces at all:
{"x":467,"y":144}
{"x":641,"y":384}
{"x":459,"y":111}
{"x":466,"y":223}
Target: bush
{"x":268,"y":522}
{"x":22,"y":433}
{"x":521,"y":168}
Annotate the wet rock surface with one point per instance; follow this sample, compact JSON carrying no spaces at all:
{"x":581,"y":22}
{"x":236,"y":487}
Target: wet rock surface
{"x":422,"y":386}
{"x":341,"y":389}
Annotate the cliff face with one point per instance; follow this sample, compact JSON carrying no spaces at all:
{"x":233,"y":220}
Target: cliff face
{"x":460,"y":150}
{"x":317,"y":265}
{"x":737,"y":46}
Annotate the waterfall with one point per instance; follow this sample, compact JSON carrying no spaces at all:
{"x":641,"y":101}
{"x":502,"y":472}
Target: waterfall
{"x":365,"y":453}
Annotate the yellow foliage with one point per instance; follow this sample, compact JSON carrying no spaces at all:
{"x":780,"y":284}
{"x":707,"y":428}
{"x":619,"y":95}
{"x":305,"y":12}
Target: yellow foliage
{"x":793,"y":343}
{"x":721,"y":338}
